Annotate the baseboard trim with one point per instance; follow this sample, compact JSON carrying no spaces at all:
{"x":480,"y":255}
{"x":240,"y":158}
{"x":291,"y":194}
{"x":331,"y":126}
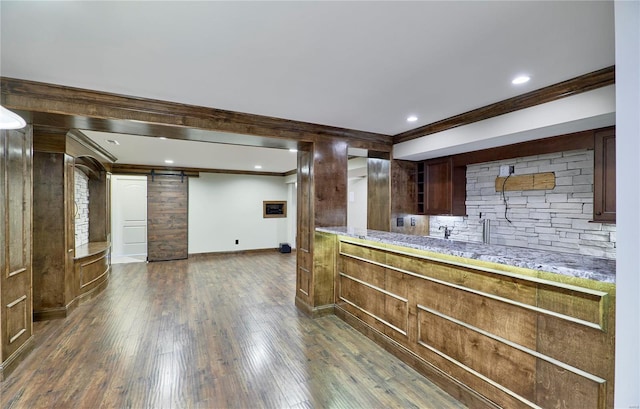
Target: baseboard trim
{"x":248,"y":251}
{"x":50,"y":314}
{"x":314,"y":312}
{"x":12,"y":362}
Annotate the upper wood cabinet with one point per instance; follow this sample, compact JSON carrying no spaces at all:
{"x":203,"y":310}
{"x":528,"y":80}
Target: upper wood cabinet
{"x":441,"y":187}
{"x":604,"y":178}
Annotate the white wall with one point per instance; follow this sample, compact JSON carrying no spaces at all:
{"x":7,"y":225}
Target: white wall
{"x":357,"y":203}
{"x":627,"y":15}
{"x":224,"y":208}
{"x":357,"y":193}
{"x":292,"y":214}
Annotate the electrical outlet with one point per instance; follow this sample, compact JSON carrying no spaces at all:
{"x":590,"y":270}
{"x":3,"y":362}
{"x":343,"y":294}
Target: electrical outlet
{"x":506,"y":170}
{"x":400,"y":222}
{"x":237,"y":241}
{"x":413,"y":221}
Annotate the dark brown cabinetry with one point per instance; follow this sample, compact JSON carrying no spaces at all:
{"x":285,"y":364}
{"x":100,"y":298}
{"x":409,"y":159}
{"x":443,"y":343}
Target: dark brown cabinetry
{"x":604,"y":178}
{"x":441,"y":187}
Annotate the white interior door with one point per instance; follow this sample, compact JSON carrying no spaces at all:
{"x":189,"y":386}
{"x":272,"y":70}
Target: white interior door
{"x":129,"y":215}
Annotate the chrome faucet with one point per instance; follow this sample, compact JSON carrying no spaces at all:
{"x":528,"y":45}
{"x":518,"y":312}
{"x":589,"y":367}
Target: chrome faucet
{"x":447,"y":231}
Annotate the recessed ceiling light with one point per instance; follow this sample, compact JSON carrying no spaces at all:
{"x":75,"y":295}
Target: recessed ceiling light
{"x":168,"y":161}
{"x":293,"y":150}
{"x":257,"y":167}
{"x":412,"y":118}
{"x":113,"y":142}
{"x":521,"y":79}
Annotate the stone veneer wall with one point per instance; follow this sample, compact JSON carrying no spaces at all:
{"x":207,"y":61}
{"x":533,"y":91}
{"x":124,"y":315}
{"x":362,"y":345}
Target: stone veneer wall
{"x":81,"y":197}
{"x":556,"y":219}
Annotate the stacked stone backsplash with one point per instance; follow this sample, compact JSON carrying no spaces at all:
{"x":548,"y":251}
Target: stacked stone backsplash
{"x":81,"y":197}
{"x":557,"y":219}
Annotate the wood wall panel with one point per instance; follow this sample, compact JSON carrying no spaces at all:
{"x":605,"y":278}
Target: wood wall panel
{"x":330,"y":184}
{"x":358,"y":270}
{"x":167,"y":215}
{"x":304,"y":236}
{"x":362,"y":300}
{"x":357,"y":251}
{"x":16,"y":183}
{"x":518,"y":337}
{"x":93,"y":269}
{"x":513,"y":288}
{"x":324,"y":267}
{"x":488,"y":357}
{"x":99,"y":214}
{"x":18,"y":319}
{"x":516,"y":324}
{"x":71,"y":285}
{"x":378,"y":194}
{"x":49,"y":220}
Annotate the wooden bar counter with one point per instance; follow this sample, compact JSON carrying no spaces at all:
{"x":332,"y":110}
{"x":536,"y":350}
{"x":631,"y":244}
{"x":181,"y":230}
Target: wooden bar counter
{"x":495,"y":326}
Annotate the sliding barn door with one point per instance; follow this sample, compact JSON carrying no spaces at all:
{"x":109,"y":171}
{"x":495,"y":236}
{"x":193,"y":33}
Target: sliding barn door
{"x":167,"y":217}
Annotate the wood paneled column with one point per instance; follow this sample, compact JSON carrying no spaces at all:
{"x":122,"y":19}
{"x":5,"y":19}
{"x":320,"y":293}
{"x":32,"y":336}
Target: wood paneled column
{"x":378,"y":192}
{"x":322,"y":202}
{"x":16,"y":324}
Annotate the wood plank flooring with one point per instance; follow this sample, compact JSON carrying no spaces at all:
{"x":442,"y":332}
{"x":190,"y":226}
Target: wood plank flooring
{"x":214,"y":331}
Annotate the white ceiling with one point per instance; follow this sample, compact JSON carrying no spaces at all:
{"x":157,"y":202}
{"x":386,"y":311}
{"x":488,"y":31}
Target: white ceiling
{"x":359,"y":65}
{"x":145,"y":150}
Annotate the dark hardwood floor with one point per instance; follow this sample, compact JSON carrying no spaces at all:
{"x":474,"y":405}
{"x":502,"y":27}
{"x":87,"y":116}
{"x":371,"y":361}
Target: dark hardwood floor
{"x":215,"y":331}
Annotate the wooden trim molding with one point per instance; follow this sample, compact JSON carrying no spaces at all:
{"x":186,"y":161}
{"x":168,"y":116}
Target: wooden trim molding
{"x":574,"y":86}
{"x":87,"y":143}
{"x":57,"y":106}
{"x":119,"y":168}
{"x":560,"y":143}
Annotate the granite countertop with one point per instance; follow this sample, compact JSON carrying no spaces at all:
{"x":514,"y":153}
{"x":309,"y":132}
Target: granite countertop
{"x":576,"y":265}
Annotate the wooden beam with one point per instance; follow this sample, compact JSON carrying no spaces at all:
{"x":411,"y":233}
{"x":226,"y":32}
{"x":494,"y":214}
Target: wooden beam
{"x":60,"y":106}
{"x":574,"y":86}
{"x":119,"y":168}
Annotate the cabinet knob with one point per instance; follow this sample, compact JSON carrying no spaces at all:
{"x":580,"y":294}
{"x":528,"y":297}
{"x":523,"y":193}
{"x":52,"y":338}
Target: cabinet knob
{"x":598,"y":213}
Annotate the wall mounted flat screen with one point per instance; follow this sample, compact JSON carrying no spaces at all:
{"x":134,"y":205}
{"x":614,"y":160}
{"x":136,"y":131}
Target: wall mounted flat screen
{"x":271,"y":208}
